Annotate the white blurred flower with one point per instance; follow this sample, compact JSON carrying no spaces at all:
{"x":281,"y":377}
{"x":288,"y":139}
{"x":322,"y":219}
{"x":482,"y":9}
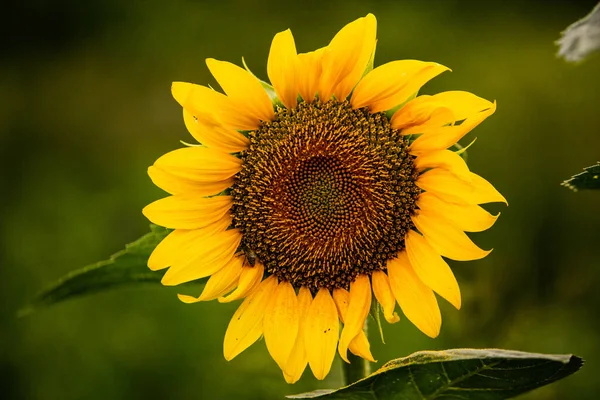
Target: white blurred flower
{"x":581,"y":38}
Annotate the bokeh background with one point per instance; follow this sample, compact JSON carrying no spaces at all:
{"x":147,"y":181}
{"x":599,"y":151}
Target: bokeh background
{"x":85,"y":107}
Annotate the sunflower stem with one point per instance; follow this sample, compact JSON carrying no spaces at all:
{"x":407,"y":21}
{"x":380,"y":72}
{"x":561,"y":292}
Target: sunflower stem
{"x":358,"y":367}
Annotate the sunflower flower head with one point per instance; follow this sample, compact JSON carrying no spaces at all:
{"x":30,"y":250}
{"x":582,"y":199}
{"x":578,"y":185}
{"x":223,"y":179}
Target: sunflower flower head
{"x":310,"y":196}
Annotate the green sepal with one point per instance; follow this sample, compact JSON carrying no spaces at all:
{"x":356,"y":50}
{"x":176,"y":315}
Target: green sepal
{"x":375,"y":313}
{"x":191,"y":144}
{"x":462,"y":150}
{"x":127,"y":267}
{"x":371,"y":62}
{"x":266,"y":86}
{"x":389,"y":113}
{"x":588,"y":179}
{"x":466,"y":374}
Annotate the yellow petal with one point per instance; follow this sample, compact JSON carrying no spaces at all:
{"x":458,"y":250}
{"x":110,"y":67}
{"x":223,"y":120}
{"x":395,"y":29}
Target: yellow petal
{"x":462,"y":104}
{"x":385,"y":297}
{"x":297,"y":362}
{"x":346,"y":57}
{"x":358,"y":310}
{"x":309,"y":75}
{"x":220,"y":283}
{"x":177,"y":185}
{"x":201,"y":164}
{"x":393,"y":83}
{"x":466,"y":217}
{"x":321,"y":333}
{"x":428,"y":113}
{"x":163,"y":253}
{"x":243,"y":89}
{"x":360,"y":345}
{"x":187,"y":211}
{"x":209,"y":131}
{"x":282,"y":68}
{"x":445,"y":159}
{"x":202,"y":258}
{"x":446,"y":136}
{"x":280,"y":326}
{"x":420,"y":114}
{"x":250,"y":277}
{"x":416,"y":299}
{"x":246,"y":325}
{"x":211,"y":107}
{"x":485,"y":192}
{"x":449,"y":187}
{"x":445,"y":238}
{"x":171,"y":246}
{"x":431,"y":269}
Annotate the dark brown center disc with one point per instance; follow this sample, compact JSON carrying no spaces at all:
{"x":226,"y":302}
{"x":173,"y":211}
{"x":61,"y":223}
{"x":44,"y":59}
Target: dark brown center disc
{"x":325,"y":193}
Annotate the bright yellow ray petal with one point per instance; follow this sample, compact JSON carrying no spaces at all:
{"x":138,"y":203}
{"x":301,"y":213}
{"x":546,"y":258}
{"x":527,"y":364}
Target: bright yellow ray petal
{"x":162,"y":254}
{"x":445,"y":238}
{"x":358,"y":310}
{"x":462,"y":104}
{"x":282,"y":68}
{"x":211,"y":107}
{"x":187,"y":211}
{"x":466,"y":217}
{"x":202,"y":258}
{"x":250,"y":277}
{"x":309,"y":75}
{"x":243,"y":89}
{"x":445,"y":159}
{"x":345,"y":58}
{"x":210,"y":132}
{"x":416,"y":299}
{"x":171,"y":247}
{"x":281,"y":322}
{"x":201,"y":164}
{"x":385,"y":297}
{"x":297,"y":362}
{"x":431,"y":269}
{"x":449,"y":187}
{"x":393,"y":83}
{"x":426,"y":114}
{"x":485,"y":192}
{"x":321,"y":333}
{"x":177,"y":185}
{"x":446,"y":136}
{"x":220,"y":283}
{"x":419,"y":112}
{"x":360,"y":345}
{"x":246,"y":325}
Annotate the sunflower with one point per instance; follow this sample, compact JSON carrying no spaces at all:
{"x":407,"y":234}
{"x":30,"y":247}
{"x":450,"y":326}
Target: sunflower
{"x":308,"y":196}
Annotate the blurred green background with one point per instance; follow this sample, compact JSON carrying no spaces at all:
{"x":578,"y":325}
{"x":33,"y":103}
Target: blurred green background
{"x":85,"y":107}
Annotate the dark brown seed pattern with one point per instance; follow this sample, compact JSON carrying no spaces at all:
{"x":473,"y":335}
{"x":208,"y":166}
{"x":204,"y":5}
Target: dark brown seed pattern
{"x":325,"y":193}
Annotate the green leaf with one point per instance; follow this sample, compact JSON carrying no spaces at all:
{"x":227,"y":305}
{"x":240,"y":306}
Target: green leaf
{"x":588,"y":179}
{"x":128,"y":266}
{"x":459,"y":374}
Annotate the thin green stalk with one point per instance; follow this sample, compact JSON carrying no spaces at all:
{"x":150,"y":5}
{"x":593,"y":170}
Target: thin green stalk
{"x":358,"y":367}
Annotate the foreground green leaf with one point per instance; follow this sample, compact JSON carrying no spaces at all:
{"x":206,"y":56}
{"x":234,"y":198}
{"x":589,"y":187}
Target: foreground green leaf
{"x":128,"y":266}
{"x":460,"y":374}
{"x":588,"y":179}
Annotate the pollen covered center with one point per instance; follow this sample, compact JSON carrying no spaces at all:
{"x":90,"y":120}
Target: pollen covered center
{"x":325,"y":193}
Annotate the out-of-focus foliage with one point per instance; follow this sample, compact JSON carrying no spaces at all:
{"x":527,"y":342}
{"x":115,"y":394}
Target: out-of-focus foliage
{"x":128,"y":266}
{"x":588,"y":179}
{"x":85,"y":108}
